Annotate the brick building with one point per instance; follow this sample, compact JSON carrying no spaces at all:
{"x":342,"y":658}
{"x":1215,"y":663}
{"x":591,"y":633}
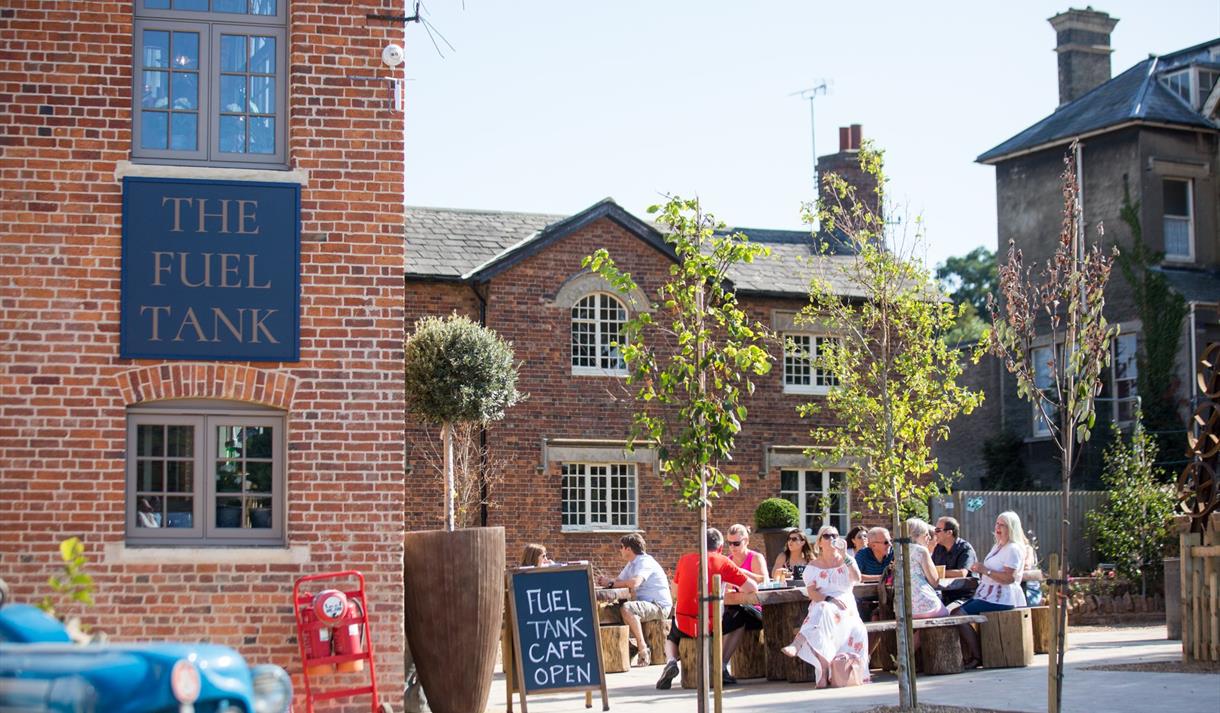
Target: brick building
{"x":1152,"y":132}
{"x":567,"y":481}
{"x":201,"y":290}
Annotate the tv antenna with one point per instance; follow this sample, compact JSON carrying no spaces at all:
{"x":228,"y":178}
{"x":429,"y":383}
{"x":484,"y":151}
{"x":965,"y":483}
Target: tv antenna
{"x":822,"y":87}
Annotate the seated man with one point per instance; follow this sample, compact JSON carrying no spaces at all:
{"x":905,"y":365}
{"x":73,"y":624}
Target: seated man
{"x":955,"y":555}
{"x":873,"y":559}
{"x":644,"y":576}
{"x":685,"y":623}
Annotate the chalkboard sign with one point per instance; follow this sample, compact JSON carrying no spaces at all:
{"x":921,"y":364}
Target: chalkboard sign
{"x":556,"y":640}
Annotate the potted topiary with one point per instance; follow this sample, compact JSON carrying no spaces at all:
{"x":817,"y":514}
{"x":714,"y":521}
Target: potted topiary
{"x":773,"y":519}
{"x":457,"y":371}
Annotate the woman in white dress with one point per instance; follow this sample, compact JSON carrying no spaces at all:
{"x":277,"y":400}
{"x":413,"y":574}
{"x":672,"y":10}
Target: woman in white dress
{"x":925,"y":604}
{"x":1000,"y":586}
{"x":833,"y":626}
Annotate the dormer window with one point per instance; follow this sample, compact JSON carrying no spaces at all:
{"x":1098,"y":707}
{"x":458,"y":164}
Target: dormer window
{"x":1193,"y":84}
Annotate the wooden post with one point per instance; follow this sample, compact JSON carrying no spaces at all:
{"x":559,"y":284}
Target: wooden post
{"x":1052,"y":665}
{"x":1184,"y":543}
{"x":717,"y":666}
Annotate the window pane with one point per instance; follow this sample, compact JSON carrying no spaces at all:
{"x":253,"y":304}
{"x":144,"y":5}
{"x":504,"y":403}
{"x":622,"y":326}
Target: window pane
{"x":260,"y":513}
{"x":233,"y":93}
{"x":262,"y":95}
{"x":179,"y":512}
{"x":186,"y":90}
{"x":232,"y":53}
{"x":1177,"y":236}
{"x":149,"y":512}
{"x":233,"y":134}
{"x":149,"y":475}
{"x":185,"y":130}
{"x":186,"y":50}
{"x":156,"y":4}
{"x":813,"y":481}
{"x":156,"y":48}
{"x":150,"y":440}
{"x":155,"y":94}
{"x":789,"y":480}
{"x":258,"y":441}
{"x":179,"y":476}
{"x":262,"y":7}
{"x":197,"y":5}
{"x":180,"y":441}
{"x":258,"y":477}
{"x":262,"y":134}
{"x":228,"y":512}
{"x":262,"y":55}
{"x":229,"y":6}
{"x":1176,"y":198}
{"x":154,"y":129}
{"x":228,"y":477}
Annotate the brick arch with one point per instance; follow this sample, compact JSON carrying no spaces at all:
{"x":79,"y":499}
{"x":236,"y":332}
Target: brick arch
{"x":207,"y":381}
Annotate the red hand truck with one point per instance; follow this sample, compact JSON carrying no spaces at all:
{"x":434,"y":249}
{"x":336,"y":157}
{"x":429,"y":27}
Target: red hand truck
{"x":333,"y":633}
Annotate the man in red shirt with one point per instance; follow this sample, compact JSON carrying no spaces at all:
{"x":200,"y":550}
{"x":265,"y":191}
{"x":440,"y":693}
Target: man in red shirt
{"x":685,"y":623}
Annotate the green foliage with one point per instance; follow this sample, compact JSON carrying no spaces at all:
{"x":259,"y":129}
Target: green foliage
{"x":691,"y":356}
{"x":458,"y":371}
{"x":1133,"y":528}
{"x":776,"y":513}
{"x":914,"y":507}
{"x":72,"y":584}
{"x":968,"y":327}
{"x":897,"y":378}
{"x":1161,"y":312}
{"x":1004,"y":465}
{"x":970,"y":278}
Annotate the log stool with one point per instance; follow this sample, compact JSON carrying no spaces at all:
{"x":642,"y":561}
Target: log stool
{"x":616,"y":651}
{"x":797,"y":670}
{"x":750,"y":658}
{"x":1041,"y":618}
{"x":940,"y":650}
{"x":686,"y":660}
{"x":654,"y":639}
{"x":883,"y":649}
{"x":1007,"y":639}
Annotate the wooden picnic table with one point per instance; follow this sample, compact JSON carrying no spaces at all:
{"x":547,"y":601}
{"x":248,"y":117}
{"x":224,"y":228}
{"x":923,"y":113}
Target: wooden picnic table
{"x":613,"y":595}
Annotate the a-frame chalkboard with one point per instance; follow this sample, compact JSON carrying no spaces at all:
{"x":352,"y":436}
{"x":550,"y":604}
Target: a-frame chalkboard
{"x":554,"y":625}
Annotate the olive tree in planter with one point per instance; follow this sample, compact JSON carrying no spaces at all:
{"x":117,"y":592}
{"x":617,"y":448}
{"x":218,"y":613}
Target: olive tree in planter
{"x":774,"y":518}
{"x":457,"y":372}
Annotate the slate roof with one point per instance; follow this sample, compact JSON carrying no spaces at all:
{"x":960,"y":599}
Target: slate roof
{"x":1136,"y":95}
{"x":1194,"y":285}
{"x":455,"y":245}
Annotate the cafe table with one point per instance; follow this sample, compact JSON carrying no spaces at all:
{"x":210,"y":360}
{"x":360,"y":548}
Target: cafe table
{"x":609,"y":603}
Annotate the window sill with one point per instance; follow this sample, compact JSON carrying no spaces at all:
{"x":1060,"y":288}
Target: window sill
{"x":596,"y":530}
{"x":1038,"y":439}
{"x":585,"y":371}
{"x":121,"y":553}
{"x":807,"y":390}
{"x":266,"y":175}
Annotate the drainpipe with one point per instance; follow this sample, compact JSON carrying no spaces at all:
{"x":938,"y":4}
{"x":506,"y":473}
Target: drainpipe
{"x":1190,"y":368}
{"x":484,"y":492}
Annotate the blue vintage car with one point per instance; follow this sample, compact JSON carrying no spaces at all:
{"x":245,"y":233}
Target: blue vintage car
{"x":41,"y":670}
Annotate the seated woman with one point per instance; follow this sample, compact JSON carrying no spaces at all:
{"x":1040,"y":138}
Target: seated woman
{"x":739,"y":618}
{"x":791,"y":562}
{"x":925,"y":604}
{"x":1031,"y":578}
{"x":833,"y":626}
{"x":1000,"y":586}
{"x":857,"y":539}
{"x":535,"y":556}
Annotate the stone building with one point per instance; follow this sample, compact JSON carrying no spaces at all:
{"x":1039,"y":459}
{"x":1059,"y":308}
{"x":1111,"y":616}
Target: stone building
{"x":1151,"y":133}
{"x":201,"y":312}
{"x":567,"y":480}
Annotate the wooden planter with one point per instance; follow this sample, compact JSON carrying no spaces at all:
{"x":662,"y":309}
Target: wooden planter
{"x":775,"y":539}
{"x":453,"y":600}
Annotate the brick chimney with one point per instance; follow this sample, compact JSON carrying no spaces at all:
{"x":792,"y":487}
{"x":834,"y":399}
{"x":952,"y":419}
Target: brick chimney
{"x":1082,"y":40}
{"x":846,"y":164}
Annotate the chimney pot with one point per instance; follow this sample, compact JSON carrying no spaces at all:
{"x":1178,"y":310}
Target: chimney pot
{"x":856,"y":137}
{"x":1082,"y":41}
{"x":844,"y":138}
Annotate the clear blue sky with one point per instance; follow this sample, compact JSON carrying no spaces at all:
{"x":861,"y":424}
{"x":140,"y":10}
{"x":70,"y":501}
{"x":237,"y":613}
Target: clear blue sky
{"x":551,"y":106}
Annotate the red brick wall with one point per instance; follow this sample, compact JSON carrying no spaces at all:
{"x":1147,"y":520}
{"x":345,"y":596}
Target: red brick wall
{"x":520,"y":307}
{"x":65,"y":123}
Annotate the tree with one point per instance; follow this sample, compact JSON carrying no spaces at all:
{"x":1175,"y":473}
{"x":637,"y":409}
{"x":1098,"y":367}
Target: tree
{"x":896,"y":377}
{"x":1133,"y":528}
{"x":457,"y":372}
{"x":968,"y":279}
{"x":692,"y":365}
{"x":1065,"y":310}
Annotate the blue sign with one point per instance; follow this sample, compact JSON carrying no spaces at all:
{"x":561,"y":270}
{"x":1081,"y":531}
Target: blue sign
{"x":211,"y":270}
{"x":555,"y":622}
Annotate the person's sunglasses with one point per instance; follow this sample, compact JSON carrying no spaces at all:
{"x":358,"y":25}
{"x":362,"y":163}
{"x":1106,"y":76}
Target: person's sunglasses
{"x":938,"y":530}
{"x":795,"y":539}
{"x":733,"y":543}
{"x":829,"y":536}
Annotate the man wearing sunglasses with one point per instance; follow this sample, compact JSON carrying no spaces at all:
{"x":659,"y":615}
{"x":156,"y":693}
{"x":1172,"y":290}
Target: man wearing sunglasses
{"x":647,"y":581}
{"x":956,"y":555}
{"x":873,"y":559}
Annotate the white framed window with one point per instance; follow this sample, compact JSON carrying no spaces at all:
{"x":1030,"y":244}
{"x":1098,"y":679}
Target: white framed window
{"x":1193,"y":84}
{"x":802,"y":373}
{"x":205,"y":474}
{"x":1179,"y":83}
{"x":821,"y":496}
{"x":1044,"y":379}
{"x":597,"y":327}
{"x":210,"y":82}
{"x":1124,"y":372}
{"x":1177,"y":219}
{"x":599,"y":496}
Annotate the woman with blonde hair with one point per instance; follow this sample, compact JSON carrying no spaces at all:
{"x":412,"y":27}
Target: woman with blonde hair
{"x":925,"y":604}
{"x":1000,"y":585}
{"x":833,"y":629}
{"x":739,"y":618}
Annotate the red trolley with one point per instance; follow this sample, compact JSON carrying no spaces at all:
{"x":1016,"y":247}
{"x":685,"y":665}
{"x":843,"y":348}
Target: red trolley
{"x":334,"y":634}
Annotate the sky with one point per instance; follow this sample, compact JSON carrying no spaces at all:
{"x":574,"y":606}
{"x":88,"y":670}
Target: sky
{"x":550,"y":106}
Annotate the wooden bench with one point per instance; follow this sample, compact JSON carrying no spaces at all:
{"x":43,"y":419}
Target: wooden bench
{"x":616,"y":653}
{"x":940,"y":649}
{"x":1040,"y":617}
{"x":1007,"y":639}
{"x":654,"y":637}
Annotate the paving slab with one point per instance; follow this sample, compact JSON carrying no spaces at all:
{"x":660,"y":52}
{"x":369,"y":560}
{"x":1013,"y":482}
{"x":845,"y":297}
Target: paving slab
{"x":1019,"y":689}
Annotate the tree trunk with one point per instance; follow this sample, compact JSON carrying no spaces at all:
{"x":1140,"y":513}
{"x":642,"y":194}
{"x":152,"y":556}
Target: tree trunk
{"x":701,"y":654}
{"x":902,"y":609}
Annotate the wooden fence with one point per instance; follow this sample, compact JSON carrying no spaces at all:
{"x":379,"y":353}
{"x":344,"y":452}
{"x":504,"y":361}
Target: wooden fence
{"x":1200,"y":568}
{"x":976,"y":511}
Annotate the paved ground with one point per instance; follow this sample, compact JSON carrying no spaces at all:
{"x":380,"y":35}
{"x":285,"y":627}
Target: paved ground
{"x":1003,"y":689}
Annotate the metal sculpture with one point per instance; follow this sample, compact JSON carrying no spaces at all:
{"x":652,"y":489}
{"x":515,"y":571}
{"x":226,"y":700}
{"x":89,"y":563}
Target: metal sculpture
{"x":1198,"y":490}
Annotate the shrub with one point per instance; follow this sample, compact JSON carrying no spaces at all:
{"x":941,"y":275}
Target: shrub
{"x":776,"y":512}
